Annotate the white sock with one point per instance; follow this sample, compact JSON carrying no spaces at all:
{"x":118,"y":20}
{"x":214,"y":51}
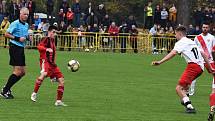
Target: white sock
{"x":34,"y":93}
{"x":190,"y":106}
{"x":58,"y":101}
{"x":186,"y":99}
{"x":193,"y":84}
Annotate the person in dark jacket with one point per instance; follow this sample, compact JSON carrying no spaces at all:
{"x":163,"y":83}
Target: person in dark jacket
{"x":31,"y":7}
{"x":50,"y":8}
{"x":123,"y":35}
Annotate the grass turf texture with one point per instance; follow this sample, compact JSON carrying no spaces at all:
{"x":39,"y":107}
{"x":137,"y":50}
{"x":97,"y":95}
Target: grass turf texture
{"x":108,"y":87}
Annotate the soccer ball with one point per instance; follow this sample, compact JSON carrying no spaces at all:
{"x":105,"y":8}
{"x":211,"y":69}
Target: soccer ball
{"x":73,"y":65}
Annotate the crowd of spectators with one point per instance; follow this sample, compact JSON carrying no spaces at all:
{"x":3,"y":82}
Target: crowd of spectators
{"x":165,"y":17}
{"x":74,"y":15}
{"x":94,"y":18}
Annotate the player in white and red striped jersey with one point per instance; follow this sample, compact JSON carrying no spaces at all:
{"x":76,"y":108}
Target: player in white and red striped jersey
{"x":205,"y":41}
{"x":195,"y":65}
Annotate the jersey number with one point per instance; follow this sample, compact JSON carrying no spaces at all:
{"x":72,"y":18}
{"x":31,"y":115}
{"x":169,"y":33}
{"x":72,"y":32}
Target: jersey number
{"x":195,"y":52}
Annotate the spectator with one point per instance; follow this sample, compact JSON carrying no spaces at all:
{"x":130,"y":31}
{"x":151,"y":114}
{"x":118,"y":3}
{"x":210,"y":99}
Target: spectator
{"x":76,"y":8}
{"x":49,"y":10}
{"x":101,"y":12}
{"x":131,"y":21}
{"x":198,"y":16}
{"x":88,"y":11}
{"x":81,"y":39}
{"x":64,"y":5}
{"x":153,"y":30}
{"x":191,"y":30}
{"x":105,"y":39}
{"x":149,"y":15}
{"x":123,"y":35}
{"x":113,"y":31}
{"x":164,"y":6}
{"x":166,"y":29}
{"x":37,"y":21}
{"x":31,"y":7}
{"x":69,"y":28}
{"x":171,"y":31}
{"x":161,"y":31}
{"x":207,"y":15}
{"x":95,"y":29}
{"x":89,"y":36}
{"x":23,"y":3}
{"x":4,"y":7}
{"x":106,"y":21}
{"x":70,"y":37}
{"x":157,"y":15}
{"x":40,"y":25}
{"x":69,"y":16}
{"x":164,"y":16}
{"x":4,"y":26}
{"x":61,"y":15}
{"x":170,"y":44}
{"x":134,"y":33}
{"x":92,"y":19}
{"x":172,"y":14}
{"x":197,"y":30}
{"x":43,"y":26}
{"x":13,"y":11}
{"x":62,"y":28}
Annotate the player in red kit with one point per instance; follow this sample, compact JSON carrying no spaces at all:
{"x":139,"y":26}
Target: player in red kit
{"x":48,"y":66}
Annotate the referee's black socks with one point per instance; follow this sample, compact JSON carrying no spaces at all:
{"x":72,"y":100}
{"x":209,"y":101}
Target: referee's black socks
{"x":11,"y":81}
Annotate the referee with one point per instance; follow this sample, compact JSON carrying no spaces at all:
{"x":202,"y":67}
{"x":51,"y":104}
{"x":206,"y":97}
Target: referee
{"x":18,"y":34}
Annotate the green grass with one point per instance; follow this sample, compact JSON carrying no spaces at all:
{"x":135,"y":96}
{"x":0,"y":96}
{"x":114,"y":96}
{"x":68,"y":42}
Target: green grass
{"x":108,"y":87}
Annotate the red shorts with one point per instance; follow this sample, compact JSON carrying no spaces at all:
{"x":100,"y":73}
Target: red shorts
{"x":52,"y":71}
{"x":191,"y":72}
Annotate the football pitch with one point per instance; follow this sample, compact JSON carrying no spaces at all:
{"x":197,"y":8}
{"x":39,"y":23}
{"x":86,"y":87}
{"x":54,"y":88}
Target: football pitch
{"x":108,"y":87}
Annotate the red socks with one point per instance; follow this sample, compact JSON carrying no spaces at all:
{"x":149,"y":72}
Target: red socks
{"x":37,"y":85}
{"x":60,"y":91}
{"x":212,"y":99}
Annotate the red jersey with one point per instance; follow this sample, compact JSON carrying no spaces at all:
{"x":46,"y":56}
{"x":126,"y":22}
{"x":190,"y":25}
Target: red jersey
{"x":45,"y":43}
{"x":113,"y":30}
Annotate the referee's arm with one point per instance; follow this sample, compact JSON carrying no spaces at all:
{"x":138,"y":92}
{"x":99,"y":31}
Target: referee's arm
{"x":10,"y":36}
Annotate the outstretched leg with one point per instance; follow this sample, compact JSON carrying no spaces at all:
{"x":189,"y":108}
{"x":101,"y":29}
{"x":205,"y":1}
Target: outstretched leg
{"x":37,"y":85}
{"x":181,"y":91}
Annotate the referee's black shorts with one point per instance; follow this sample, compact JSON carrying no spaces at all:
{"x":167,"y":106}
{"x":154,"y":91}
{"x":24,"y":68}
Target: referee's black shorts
{"x":17,"y":55}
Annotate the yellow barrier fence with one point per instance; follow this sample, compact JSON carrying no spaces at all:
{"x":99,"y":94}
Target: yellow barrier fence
{"x":86,"y":41}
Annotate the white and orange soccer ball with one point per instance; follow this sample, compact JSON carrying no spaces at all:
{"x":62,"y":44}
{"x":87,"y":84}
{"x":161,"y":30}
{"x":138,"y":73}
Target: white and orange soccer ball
{"x":73,"y":65}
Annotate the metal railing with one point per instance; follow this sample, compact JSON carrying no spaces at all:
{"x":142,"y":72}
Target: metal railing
{"x":87,"y":41}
